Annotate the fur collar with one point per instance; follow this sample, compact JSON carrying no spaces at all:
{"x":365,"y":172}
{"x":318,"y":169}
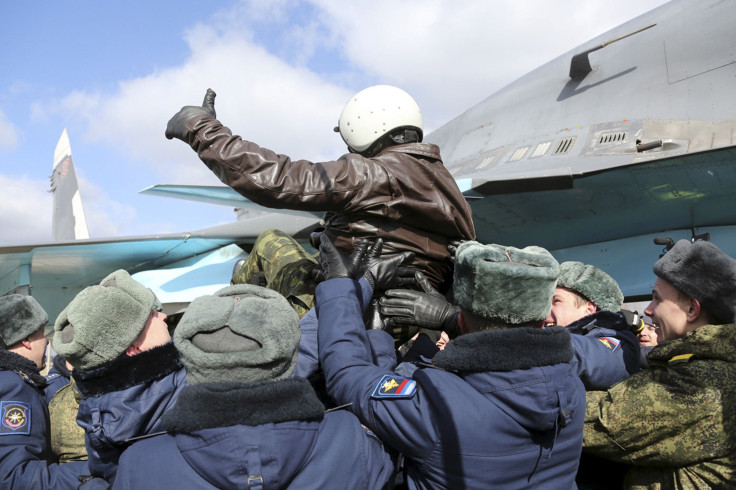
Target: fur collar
{"x":59,"y":363}
{"x":506,"y":350}
{"x":600,"y":319}
{"x":210,"y":405}
{"x":125,"y":371}
{"x":25,"y":368}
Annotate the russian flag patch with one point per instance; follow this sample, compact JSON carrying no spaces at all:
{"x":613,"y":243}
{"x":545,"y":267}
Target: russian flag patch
{"x":610,"y":342}
{"x":392,"y":386}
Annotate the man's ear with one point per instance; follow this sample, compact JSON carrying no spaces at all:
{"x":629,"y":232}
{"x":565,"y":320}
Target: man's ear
{"x":26,"y":343}
{"x":693,"y":310}
{"x":590,"y":308}
{"x":132,"y":350}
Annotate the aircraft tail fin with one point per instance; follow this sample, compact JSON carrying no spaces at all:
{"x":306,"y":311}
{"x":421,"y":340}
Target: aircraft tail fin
{"x":69,"y":222}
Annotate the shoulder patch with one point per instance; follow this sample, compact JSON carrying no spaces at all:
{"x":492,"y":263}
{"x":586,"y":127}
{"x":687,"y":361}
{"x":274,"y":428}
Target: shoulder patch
{"x":392,"y":386}
{"x":610,"y":342}
{"x":49,"y":377}
{"x":680,"y":359}
{"x":16,"y":418}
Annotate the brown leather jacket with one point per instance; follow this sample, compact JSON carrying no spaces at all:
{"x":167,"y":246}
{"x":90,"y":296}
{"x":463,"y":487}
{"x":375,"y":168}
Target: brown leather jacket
{"x":404,"y":195}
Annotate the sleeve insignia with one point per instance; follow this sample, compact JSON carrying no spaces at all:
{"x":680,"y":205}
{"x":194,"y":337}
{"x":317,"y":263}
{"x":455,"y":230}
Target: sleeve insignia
{"x":610,"y":342}
{"x":680,"y":359}
{"x":16,"y":418}
{"x":392,"y":386}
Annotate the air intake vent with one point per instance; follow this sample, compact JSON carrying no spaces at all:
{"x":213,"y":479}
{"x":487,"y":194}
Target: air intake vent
{"x":541,"y":149}
{"x":611,"y":138}
{"x":565,"y":145}
{"x":519,"y":154}
{"x":484,"y":163}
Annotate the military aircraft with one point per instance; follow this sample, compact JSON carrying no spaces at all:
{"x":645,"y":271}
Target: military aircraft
{"x":628,"y":138}
{"x":177,"y":267}
{"x":624,"y":139}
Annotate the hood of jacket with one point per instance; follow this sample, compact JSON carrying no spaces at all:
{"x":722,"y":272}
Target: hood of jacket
{"x":525,"y":371}
{"x":211,"y":421}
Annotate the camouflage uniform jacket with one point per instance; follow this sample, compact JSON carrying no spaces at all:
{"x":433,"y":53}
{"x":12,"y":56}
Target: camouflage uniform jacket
{"x":676,"y":421}
{"x":67,"y":437}
{"x":404,"y":195}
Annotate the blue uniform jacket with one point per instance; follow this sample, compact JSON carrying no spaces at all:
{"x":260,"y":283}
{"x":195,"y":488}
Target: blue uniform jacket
{"x":25,"y":452}
{"x":505,"y":412}
{"x":606,"y":351}
{"x":269,"y":435}
{"x":125,"y":399}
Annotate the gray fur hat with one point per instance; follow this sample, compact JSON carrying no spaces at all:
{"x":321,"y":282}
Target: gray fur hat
{"x":242,"y":333}
{"x":102,"y":321}
{"x":20,"y":316}
{"x":702,"y":271}
{"x":591,"y":283}
{"x":506,"y":283}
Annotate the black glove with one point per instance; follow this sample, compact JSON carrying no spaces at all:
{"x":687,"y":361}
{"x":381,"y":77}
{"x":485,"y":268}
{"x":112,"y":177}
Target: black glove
{"x":386,"y":273}
{"x":177,"y":125}
{"x":452,"y":247}
{"x":333,"y":264}
{"x":427,"y":309}
{"x":373,"y":319}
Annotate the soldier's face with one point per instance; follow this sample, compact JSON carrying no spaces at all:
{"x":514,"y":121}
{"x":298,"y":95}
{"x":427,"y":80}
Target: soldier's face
{"x":38,"y":343}
{"x":154,"y":334}
{"x":567,"y":307}
{"x":668,"y":310}
{"x":648,"y":335}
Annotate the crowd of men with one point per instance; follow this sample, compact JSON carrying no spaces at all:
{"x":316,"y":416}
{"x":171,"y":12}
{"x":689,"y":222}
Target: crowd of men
{"x":404,"y":354}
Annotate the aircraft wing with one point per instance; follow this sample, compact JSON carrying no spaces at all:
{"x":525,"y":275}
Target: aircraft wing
{"x":55,"y":272}
{"x":221,"y":195}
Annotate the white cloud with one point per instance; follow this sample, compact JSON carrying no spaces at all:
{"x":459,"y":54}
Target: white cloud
{"x":9,"y":134}
{"x":25,"y":216}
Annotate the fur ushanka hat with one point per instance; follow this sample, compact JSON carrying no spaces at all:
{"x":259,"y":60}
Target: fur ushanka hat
{"x":591,"y":283}
{"x":506,"y":283}
{"x":242,"y":333}
{"x":20,"y":316}
{"x":101,"y":322}
{"x":702,"y":271}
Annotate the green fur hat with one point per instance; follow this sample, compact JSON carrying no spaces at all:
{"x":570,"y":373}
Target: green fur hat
{"x":20,"y":316}
{"x":506,"y":283}
{"x":592,"y":284}
{"x":702,"y":271}
{"x":102,"y":321}
{"x":242,"y":333}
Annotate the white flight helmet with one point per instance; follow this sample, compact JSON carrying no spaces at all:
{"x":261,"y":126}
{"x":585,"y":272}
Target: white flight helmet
{"x":374,"y":112}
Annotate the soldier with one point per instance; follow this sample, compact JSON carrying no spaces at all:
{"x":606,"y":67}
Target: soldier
{"x":502,"y":407}
{"x":605,"y":349}
{"x":587,"y":301}
{"x":126,"y":368}
{"x":25,"y":456}
{"x":389,"y":185}
{"x":244,"y":421}
{"x":688,"y":437}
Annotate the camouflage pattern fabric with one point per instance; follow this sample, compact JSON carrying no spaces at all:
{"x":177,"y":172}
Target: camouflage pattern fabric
{"x":67,"y":437}
{"x":676,"y":421}
{"x":278,"y":262}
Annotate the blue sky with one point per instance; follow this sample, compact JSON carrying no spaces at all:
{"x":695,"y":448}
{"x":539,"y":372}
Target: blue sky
{"x":113,"y":73}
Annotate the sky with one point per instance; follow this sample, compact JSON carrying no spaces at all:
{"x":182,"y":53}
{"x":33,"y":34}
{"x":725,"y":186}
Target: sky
{"x":113,"y":73}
